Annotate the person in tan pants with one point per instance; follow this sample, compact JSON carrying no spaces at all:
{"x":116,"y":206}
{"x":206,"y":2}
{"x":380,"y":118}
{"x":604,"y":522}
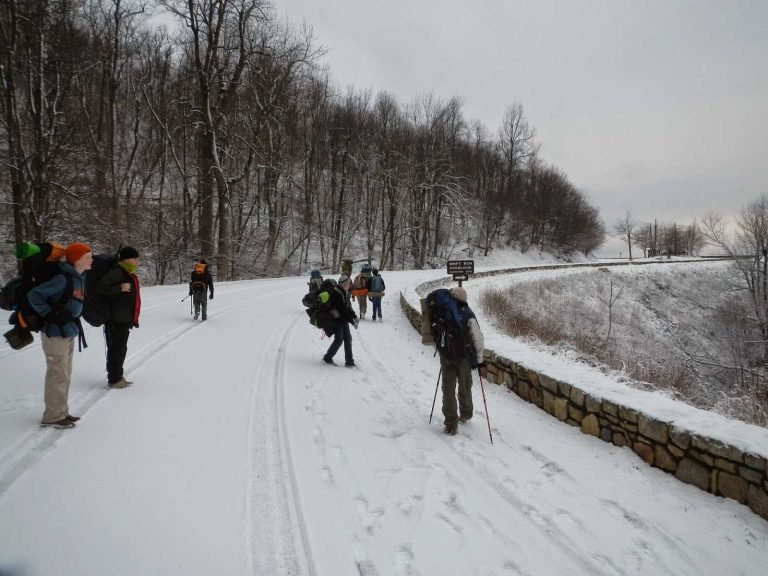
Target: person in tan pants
{"x":60,"y":302}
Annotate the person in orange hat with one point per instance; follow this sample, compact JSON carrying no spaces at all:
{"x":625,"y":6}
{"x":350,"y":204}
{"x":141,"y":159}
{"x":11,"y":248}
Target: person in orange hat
{"x":60,"y":302}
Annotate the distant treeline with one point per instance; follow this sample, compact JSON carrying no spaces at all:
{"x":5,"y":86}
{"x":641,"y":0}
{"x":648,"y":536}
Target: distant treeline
{"x":223,"y":137}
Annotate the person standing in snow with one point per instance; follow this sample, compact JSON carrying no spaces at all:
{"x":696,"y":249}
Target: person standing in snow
{"x":201,"y":282}
{"x":460,"y":369}
{"x":61,"y":313}
{"x":341,"y":315}
{"x":360,"y":286}
{"x":121,"y":286}
{"x":376,"y":292}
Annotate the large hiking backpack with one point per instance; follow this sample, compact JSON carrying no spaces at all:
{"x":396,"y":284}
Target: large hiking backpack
{"x":319,"y":309}
{"x":96,"y":307}
{"x":35,"y":270}
{"x":198,"y":277}
{"x":448,"y":325}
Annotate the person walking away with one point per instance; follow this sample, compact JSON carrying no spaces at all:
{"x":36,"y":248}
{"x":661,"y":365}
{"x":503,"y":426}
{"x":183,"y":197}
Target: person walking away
{"x":199,"y":284}
{"x":458,"y":367}
{"x":60,"y":302}
{"x":121,"y":286}
{"x":315,"y":286}
{"x":376,"y":292}
{"x":360,"y":292}
{"x":339,"y":316}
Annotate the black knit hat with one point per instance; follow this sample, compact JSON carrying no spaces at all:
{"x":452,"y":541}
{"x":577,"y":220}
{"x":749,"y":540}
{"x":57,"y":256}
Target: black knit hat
{"x":127,"y":252}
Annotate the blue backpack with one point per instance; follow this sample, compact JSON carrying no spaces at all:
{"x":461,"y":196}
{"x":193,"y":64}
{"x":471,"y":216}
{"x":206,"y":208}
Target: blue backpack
{"x":449,"y":326}
{"x":377,"y":284}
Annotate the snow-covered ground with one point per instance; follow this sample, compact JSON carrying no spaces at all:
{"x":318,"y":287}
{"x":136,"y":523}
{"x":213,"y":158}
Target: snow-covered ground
{"x":237,"y":452}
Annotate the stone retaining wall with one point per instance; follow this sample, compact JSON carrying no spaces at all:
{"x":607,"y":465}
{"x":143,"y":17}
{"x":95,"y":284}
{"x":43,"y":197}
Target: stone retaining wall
{"x":693,"y":458}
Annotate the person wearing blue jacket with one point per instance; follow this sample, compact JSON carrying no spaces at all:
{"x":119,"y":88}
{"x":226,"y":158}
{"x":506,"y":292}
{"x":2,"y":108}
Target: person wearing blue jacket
{"x":60,"y":303}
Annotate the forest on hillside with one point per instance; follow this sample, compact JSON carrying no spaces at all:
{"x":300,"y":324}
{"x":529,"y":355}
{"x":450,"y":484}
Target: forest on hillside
{"x":216,"y":131}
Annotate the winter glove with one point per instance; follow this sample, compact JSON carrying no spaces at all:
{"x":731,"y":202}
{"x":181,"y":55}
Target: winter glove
{"x":355,"y":322}
{"x":210,"y":297}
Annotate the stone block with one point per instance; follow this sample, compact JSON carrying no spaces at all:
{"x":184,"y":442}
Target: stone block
{"x":717,"y":449}
{"x":534,"y":396}
{"x":645,"y":451}
{"x":548,"y":401}
{"x":675,"y":451}
{"x":606,"y":434}
{"x":628,"y":414}
{"x":732,"y":486}
{"x":564,"y":389}
{"x":692,"y":472}
{"x":756,"y":462}
{"x":750,"y":475}
{"x":664,"y":459}
{"x":572,"y":422}
{"x":612,"y":419}
{"x":726,"y":465}
{"x":619,"y":439}
{"x":680,"y":438}
{"x":593,"y":404}
{"x":523,"y":390}
{"x":653,"y":429}
{"x":757,"y":500}
{"x":610,"y":408}
{"x":589,"y":425}
{"x":561,"y":409}
{"x":703,"y":457}
{"x":548,"y":383}
{"x":577,"y":397}
{"x":629,"y":426}
{"x":575,"y":413}
{"x":533,"y":377}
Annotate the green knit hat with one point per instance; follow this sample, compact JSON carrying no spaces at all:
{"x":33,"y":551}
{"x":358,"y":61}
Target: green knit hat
{"x":25,"y":250}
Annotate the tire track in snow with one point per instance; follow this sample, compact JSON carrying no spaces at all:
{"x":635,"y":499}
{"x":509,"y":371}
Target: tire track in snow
{"x":32,"y":446}
{"x":276,"y":534}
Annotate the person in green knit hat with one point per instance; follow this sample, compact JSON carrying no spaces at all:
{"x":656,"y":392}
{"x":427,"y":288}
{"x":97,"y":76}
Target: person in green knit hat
{"x":121,"y":286}
{"x":25,"y":250}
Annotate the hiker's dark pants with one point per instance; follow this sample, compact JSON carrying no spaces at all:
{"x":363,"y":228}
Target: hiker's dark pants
{"x":341,"y":334}
{"x":454,"y":370}
{"x":199,"y":298}
{"x":117,"y":348}
{"x":376,"y":300}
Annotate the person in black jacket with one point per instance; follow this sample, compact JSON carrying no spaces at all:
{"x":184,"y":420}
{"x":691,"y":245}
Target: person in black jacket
{"x":121,"y":286}
{"x":340,"y":316}
{"x":199,"y":283}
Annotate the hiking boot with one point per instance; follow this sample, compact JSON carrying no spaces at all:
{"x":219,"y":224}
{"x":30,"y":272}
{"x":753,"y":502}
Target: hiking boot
{"x":205,"y":318}
{"x":120,"y":384}
{"x":350,"y":364}
{"x":72,"y":418}
{"x":197,"y":316}
{"x":60,"y":424}
{"x":451,"y":430}
{"x":464,"y":419}
{"x":329,"y":361}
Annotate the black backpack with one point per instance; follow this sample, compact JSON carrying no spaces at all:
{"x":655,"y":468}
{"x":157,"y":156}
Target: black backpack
{"x":449,"y":326}
{"x":35,"y":270}
{"x":96,"y":307}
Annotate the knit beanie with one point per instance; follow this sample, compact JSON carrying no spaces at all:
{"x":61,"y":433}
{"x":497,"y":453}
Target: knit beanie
{"x":75,"y":251}
{"x":315,"y":274}
{"x":459,"y":293}
{"x":127,"y":252}
{"x":25,"y":250}
{"x":343,"y":280}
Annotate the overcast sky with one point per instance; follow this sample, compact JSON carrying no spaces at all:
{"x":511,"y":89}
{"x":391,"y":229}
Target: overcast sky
{"x":655,"y":106}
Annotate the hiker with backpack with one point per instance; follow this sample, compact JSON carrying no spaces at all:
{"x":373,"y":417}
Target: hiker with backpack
{"x":460,"y":343}
{"x":315,"y":286}
{"x":201,"y":282}
{"x":376,"y":292}
{"x":120,"y":286}
{"x":360,"y":287}
{"x":59,"y":302}
{"x":334,"y":315}
{"x":38,"y":263}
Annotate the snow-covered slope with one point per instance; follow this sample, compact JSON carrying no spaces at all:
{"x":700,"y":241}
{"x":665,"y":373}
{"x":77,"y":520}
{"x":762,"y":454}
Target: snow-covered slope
{"x":238,"y":452}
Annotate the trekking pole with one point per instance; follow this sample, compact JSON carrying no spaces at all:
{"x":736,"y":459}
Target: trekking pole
{"x":482,"y":389}
{"x":437,"y":385}
{"x":185,"y":297}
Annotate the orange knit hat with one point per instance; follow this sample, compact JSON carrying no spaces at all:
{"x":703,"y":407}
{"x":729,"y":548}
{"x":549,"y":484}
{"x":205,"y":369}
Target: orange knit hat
{"x":75,"y":251}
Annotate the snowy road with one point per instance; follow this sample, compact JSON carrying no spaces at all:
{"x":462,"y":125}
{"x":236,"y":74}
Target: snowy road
{"x":237,"y":452}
